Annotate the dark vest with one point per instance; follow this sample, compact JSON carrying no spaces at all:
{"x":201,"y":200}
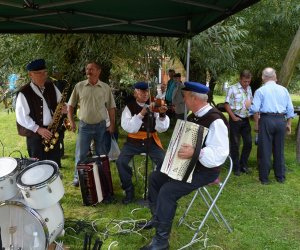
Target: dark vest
{"x":35,"y":104}
{"x":205,"y":121}
{"x":136,"y":109}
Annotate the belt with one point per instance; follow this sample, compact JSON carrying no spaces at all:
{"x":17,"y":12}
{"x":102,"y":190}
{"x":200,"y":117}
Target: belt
{"x":272,"y":114}
{"x":139,"y":141}
{"x":244,"y":118}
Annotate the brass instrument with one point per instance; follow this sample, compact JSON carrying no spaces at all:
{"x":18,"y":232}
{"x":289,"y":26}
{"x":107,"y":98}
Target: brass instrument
{"x":57,"y":121}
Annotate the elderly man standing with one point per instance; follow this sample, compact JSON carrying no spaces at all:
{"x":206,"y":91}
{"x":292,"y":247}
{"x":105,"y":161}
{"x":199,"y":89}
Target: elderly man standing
{"x":96,"y":101}
{"x":239,"y":123}
{"x":164,"y":192}
{"x":35,"y":105}
{"x":274,"y":105}
{"x":142,"y":126}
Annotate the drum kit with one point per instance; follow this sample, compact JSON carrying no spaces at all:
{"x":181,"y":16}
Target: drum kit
{"x":31,"y":216}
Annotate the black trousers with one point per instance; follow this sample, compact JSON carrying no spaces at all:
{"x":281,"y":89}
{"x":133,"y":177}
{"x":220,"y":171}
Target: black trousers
{"x":164,"y":192}
{"x":238,"y":130}
{"x":272,"y":130}
{"x":35,"y":149}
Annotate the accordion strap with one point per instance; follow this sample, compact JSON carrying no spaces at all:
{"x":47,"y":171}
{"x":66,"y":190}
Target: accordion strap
{"x":195,"y":156}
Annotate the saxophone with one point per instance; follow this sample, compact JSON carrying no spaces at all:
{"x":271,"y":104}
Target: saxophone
{"x":57,"y":122}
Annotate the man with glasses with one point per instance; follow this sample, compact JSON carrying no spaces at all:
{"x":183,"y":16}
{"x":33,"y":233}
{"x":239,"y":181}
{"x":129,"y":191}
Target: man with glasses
{"x":35,"y":106}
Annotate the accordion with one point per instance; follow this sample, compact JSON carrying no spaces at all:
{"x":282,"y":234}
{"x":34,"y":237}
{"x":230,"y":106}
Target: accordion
{"x":95,"y":180}
{"x":89,"y":180}
{"x":189,"y":133}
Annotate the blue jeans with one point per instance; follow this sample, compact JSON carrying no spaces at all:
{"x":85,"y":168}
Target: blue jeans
{"x":87,"y":133}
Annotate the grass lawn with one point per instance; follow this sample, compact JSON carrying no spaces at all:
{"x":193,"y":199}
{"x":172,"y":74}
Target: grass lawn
{"x":263,"y":217}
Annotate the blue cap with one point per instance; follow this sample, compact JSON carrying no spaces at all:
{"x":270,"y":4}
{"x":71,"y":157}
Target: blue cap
{"x":141,"y":85}
{"x":35,"y":65}
{"x":196,"y":87}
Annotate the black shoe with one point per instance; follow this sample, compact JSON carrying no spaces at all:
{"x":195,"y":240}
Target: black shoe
{"x":245,"y":170}
{"x":281,"y":181}
{"x":265,"y":182}
{"x":129,"y":198}
{"x":237,"y":173}
{"x":76,"y":182}
{"x":148,"y":225}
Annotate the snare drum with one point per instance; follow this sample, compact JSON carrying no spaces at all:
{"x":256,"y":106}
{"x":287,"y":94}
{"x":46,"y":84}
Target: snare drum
{"x":40,"y":184}
{"x":22,"y":226}
{"x":8,"y":174}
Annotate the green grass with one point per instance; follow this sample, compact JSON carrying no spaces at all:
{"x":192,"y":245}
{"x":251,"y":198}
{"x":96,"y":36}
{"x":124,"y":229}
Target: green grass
{"x":263,"y":217}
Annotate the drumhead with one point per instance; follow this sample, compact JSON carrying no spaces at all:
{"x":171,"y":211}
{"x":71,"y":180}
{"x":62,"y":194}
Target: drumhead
{"x":7,"y":165}
{"x":21,"y":222}
{"x":37,"y":173}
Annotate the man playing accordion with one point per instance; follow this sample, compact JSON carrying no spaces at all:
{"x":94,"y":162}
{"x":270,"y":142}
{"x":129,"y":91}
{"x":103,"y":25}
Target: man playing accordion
{"x":164,"y":192}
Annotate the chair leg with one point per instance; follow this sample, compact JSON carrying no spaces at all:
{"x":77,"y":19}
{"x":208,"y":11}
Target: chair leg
{"x":217,"y":209}
{"x":208,"y":204}
{"x":188,"y":209}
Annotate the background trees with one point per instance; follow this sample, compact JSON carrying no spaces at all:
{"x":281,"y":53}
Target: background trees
{"x":257,"y":37}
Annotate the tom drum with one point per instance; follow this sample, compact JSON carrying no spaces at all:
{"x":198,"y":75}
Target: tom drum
{"x":8,"y":174}
{"x":40,"y":184}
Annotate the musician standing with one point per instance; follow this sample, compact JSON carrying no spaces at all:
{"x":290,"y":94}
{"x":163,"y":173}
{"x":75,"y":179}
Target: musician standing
{"x":136,"y":119}
{"x":164,"y":192}
{"x":35,"y":106}
{"x":96,"y":102}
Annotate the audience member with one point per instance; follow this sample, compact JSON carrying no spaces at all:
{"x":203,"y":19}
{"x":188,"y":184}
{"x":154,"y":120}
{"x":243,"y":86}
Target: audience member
{"x":239,"y":123}
{"x":274,"y":105}
{"x":177,"y":97}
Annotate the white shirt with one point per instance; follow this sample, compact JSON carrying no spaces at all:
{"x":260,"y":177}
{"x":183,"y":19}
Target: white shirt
{"x":132,"y":124}
{"x":216,"y":147}
{"x":22,"y":110}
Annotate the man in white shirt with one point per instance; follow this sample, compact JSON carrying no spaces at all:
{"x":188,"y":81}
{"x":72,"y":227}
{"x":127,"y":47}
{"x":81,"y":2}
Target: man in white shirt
{"x":35,"y":106}
{"x":142,"y":126}
{"x":164,"y":192}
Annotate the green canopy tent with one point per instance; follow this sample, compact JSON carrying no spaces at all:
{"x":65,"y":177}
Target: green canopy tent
{"x":169,"y":18}
{"x":177,"y":18}
{"x":172,"y":18}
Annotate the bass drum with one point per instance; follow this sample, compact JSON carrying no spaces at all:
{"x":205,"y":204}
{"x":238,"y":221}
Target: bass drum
{"x":40,"y":184}
{"x":8,"y":174}
{"x":25,"y":228}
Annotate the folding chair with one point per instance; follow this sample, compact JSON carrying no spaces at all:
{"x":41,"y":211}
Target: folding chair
{"x":210,"y":201}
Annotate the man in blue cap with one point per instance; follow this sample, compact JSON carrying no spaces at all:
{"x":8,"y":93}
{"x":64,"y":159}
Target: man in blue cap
{"x":35,"y":105}
{"x":164,"y":192}
{"x":142,"y":126}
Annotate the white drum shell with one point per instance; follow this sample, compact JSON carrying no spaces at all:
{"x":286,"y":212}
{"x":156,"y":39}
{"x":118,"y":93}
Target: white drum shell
{"x":48,"y":223}
{"x":8,"y":187}
{"x":45,"y":194}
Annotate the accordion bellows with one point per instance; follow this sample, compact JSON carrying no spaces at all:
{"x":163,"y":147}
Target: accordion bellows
{"x":184,"y":132}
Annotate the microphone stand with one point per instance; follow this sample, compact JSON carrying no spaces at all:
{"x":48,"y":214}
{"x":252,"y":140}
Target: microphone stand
{"x":149,"y":118}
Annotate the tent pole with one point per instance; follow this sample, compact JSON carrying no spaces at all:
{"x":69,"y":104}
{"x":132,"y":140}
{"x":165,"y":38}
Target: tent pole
{"x":188,"y":53}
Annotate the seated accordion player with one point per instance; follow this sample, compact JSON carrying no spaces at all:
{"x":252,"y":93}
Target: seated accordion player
{"x":189,"y":133}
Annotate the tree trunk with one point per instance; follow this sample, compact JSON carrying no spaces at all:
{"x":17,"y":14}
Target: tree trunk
{"x":290,"y":61}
